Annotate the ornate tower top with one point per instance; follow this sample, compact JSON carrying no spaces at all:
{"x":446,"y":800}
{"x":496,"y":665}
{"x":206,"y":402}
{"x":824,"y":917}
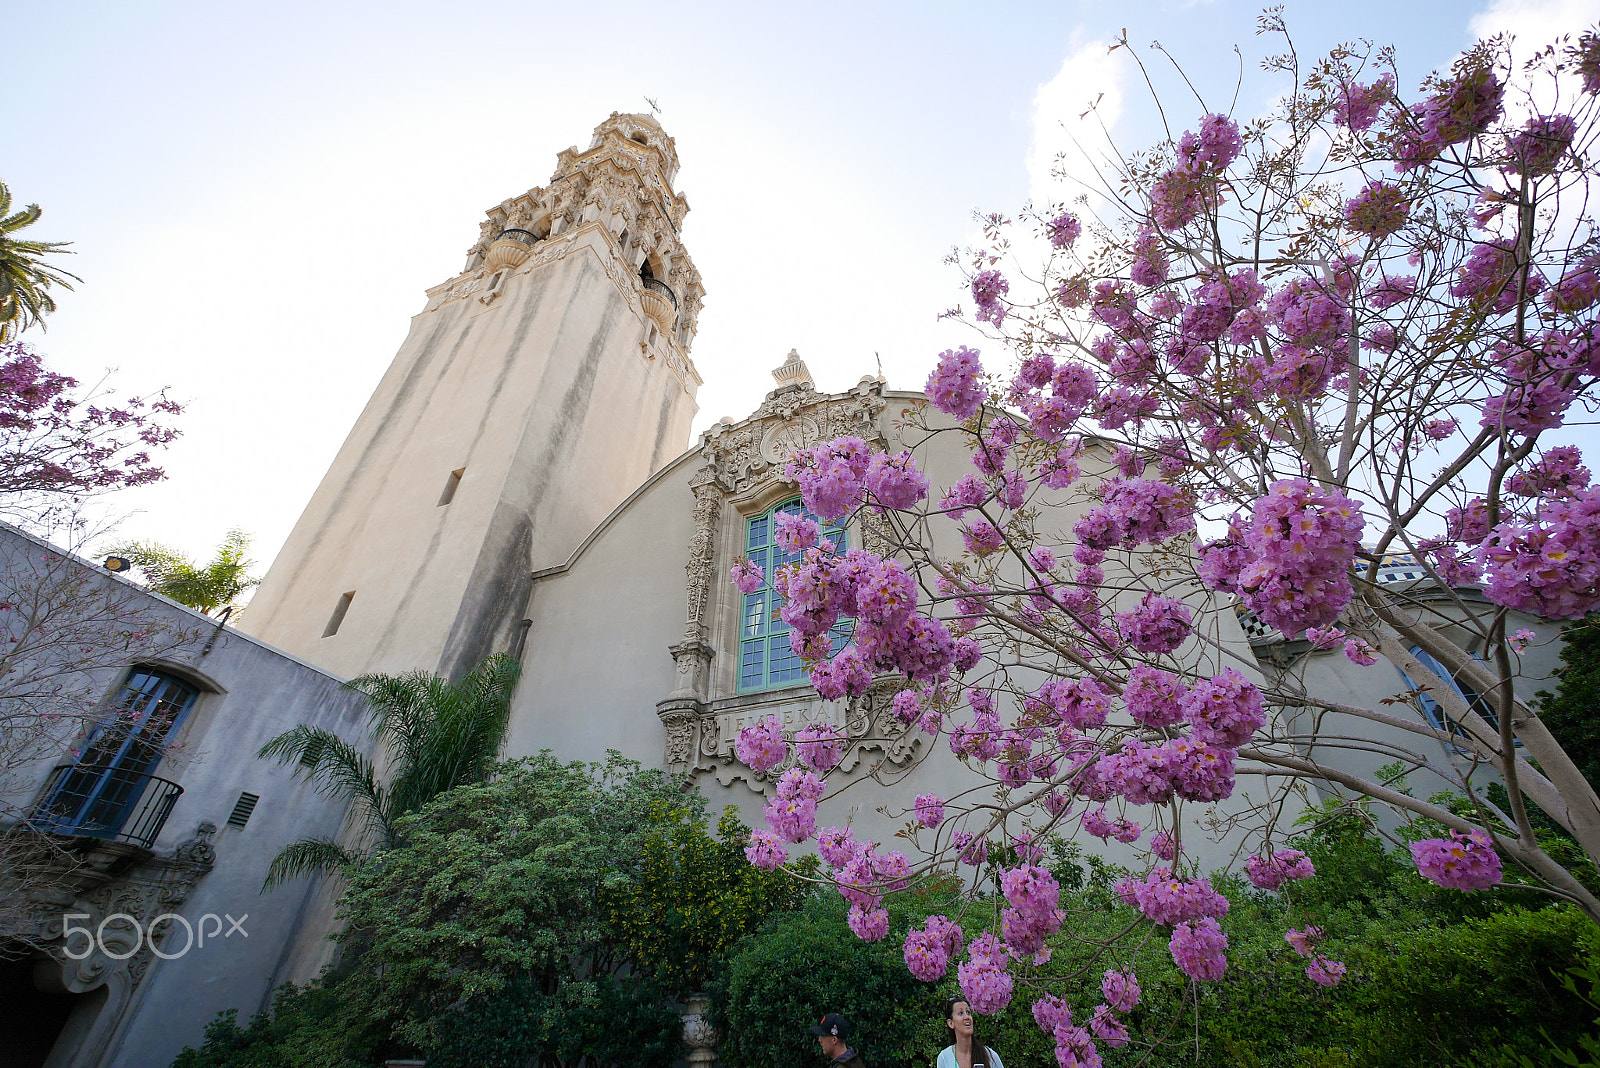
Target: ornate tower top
{"x":623,"y":181}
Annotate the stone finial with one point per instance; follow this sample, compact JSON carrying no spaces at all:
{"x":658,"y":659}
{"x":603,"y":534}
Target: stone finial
{"x":792,"y":372}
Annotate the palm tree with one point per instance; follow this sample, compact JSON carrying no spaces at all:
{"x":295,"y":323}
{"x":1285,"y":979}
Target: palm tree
{"x":440,"y":735}
{"x":24,"y":277}
{"x":207,"y":587}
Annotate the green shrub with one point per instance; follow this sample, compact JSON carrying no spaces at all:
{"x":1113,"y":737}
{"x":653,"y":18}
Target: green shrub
{"x":803,"y":964}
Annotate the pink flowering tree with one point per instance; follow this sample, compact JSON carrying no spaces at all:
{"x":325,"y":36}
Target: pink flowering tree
{"x":1263,"y":357}
{"x":60,"y":443}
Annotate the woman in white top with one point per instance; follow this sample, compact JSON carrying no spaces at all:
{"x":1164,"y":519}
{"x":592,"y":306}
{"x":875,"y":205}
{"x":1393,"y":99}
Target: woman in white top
{"x":966,"y":1050}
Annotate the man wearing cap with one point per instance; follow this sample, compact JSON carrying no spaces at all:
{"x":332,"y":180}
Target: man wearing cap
{"x":832,"y":1031}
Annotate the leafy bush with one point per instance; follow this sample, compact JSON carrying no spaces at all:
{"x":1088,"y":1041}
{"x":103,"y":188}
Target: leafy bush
{"x":694,"y":898}
{"x":805,"y":963}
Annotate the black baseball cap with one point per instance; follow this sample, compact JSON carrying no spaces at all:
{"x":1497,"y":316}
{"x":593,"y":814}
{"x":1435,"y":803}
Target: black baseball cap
{"x":831,"y":1024}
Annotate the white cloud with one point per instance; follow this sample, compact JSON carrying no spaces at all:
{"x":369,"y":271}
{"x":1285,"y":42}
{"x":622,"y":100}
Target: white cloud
{"x":1065,"y":139}
{"x":1535,"y":22}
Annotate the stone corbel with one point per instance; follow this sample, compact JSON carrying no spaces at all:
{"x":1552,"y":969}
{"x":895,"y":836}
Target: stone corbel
{"x":680,"y":716}
{"x":693,"y":659}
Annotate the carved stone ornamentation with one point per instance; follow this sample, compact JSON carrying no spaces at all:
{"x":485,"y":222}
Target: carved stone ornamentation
{"x":698,"y":1034}
{"x":868,"y":722}
{"x":114,"y":892}
{"x":744,"y":460}
{"x":702,"y":559}
{"x":619,"y":186}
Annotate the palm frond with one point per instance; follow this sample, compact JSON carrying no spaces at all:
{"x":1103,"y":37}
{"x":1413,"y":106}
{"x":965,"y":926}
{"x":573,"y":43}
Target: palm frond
{"x":305,"y":857}
{"x":336,"y":768}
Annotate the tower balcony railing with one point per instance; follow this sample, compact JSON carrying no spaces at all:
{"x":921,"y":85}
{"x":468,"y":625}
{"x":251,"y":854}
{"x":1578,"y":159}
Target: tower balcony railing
{"x":661,"y":287}
{"x":525,"y":238}
{"x":111,"y":803}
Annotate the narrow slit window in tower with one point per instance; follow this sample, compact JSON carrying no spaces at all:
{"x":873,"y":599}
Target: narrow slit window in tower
{"x":450,"y":485}
{"x":338,"y":613}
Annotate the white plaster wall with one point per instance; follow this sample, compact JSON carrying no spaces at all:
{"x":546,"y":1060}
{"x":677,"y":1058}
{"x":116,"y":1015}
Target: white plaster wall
{"x":597,"y":660}
{"x":1330,"y":673}
{"x":251,"y":692}
{"x":546,"y":400}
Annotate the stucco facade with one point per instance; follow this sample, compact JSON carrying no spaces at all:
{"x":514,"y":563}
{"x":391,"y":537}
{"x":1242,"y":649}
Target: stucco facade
{"x":535,"y":391}
{"x":142,"y":1009}
{"x":522,"y":481}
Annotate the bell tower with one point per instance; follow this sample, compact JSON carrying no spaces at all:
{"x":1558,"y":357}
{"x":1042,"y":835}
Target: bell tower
{"x":535,"y":390}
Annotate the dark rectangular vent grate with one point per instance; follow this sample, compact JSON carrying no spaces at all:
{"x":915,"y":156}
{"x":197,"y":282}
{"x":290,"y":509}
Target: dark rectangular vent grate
{"x":242,"y":809}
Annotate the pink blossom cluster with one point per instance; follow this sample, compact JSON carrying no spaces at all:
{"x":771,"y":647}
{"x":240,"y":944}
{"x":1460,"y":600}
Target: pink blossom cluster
{"x":1549,"y":565}
{"x":1150,"y":774}
{"x":831,"y":476}
{"x":1063,"y":230}
{"x":869,"y":925}
{"x":1464,"y":861}
{"x":930,"y":810}
{"x":1072,"y":388}
{"x":984,"y":978}
{"x":987,"y":290}
{"x":1538,"y":147}
{"x":894,"y":481}
{"x":1034,"y":914}
{"x":1154,"y":697}
{"x":1197,"y":949}
{"x":1179,"y":195}
{"x":1465,"y":107}
{"x":820,"y":746}
{"x":1558,"y":473}
{"x":1164,"y":898}
{"x":1490,"y":277}
{"x":1224,"y":710}
{"x":882,"y":598}
{"x":792,"y":818}
{"x":1134,"y":512}
{"x":1082,"y":704}
{"x":1075,"y":1047}
{"x":747,"y":576}
{"x":1159,"y":625}
{"x":1291,"y":563}
{"x":1285,"y":865}
{"x":761,"y":747}
{"x":795,"y":532}
{"x":928,"y":950}
{"x":1120,"y":989}
{"x":1579,"y":286}
{"x":1380,"y":209}
{"x":1163,"y":845}
{"x":1304,"y":942}
{"x":1359,"y":105}
{"x":1107,"y":1028}
{"x":766,"y":850}
{"x":838,"y":846}
{"x":1325,"y":972}
{"x":1096,"y":823}
{"x":956,"y":384}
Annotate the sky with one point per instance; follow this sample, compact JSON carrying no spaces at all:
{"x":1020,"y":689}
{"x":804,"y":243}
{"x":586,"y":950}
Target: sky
{"x":257,"y":195}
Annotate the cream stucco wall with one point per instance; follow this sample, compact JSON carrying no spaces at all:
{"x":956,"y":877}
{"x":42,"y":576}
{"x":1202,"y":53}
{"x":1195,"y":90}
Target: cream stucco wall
{"x":608,"y":625}
{"x":553,"y":411}
{"x":144,"y":1010}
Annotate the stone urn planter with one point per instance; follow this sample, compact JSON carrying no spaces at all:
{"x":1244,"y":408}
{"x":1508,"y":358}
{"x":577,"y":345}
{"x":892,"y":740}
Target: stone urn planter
{"x":698,"y":1034}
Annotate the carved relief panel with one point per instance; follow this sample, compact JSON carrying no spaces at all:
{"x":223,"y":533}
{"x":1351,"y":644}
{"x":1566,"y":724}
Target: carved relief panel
{"x":742,"y":475}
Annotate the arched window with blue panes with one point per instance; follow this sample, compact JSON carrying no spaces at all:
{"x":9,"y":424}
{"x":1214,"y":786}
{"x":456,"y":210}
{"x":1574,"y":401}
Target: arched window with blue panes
{"x":1432,"y":709}
{"x":766,"y":660}
{"x":97,"y":794}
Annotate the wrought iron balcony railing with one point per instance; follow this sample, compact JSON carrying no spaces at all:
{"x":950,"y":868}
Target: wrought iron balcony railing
{"x":662,"y":288}
{"x":111,"y":803}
